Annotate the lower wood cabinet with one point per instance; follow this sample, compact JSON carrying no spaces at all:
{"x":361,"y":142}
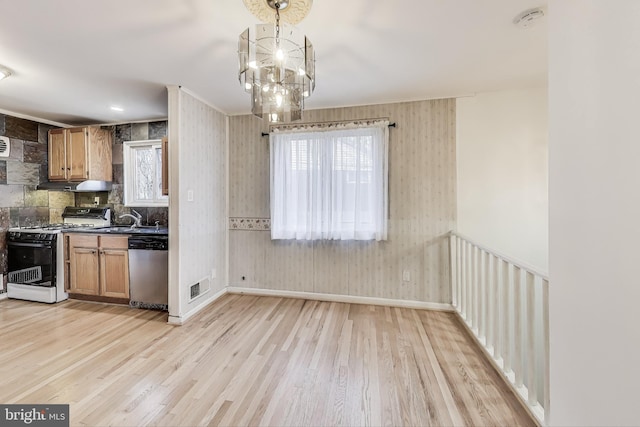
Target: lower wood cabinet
{"x":97,"y":265}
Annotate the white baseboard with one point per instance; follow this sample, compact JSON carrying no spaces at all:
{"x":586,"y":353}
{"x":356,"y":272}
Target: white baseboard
{"x":4,"y":296}
{"x":180,"y":320}
{"x":342,"y":298}
{"x":350,"y":299}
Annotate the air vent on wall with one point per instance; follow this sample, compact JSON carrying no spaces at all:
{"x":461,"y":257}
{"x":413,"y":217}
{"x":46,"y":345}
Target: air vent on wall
{"x":195,"y":290}
{"x":5,"y":146}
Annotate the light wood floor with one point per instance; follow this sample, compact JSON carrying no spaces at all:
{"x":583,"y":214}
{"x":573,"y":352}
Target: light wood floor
{"x":250,"y":361}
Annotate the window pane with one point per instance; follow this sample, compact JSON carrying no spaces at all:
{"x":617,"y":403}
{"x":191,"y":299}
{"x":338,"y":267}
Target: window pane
{"x":330,"y":185}
{"x":144,"y":173}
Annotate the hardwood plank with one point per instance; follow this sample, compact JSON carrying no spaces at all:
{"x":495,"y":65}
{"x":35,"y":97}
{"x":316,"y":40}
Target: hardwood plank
{"x":249,"y":360}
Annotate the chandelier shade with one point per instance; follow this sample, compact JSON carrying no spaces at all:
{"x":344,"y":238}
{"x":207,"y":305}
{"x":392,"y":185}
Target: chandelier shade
{"x":277,"y":67}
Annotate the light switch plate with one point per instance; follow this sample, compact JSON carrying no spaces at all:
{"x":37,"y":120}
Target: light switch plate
{"x":406,"y":276}
{"x":189,"y":195}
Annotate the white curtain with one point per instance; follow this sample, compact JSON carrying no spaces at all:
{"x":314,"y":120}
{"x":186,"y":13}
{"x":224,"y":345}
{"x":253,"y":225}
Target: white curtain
{"x":330,"y":182}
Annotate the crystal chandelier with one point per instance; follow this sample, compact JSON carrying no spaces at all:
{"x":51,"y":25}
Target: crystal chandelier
{"x":277,"y":66}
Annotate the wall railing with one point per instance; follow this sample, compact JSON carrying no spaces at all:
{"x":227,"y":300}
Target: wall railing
{"x":505,"y":305}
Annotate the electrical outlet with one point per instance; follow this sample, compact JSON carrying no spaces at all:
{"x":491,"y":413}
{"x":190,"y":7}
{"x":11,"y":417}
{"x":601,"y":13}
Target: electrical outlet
{"x":406,"y":276}
{"x":213,"y":273}
{"x":96,"y":200}
{"x":189,"y":195}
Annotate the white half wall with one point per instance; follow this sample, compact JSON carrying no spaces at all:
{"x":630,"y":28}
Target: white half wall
{"x":198,"y":203}
{"x":594,"y":107}
{"x":502,"y":173}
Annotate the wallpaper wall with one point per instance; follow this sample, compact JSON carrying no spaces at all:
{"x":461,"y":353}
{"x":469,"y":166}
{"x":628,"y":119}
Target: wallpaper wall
{"x":198,"y":192}
{"x":422,"y":209}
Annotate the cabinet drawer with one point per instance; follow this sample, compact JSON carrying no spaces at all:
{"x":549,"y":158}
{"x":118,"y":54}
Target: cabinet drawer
{"x":114,"y":242}
{"x":83,"y":240}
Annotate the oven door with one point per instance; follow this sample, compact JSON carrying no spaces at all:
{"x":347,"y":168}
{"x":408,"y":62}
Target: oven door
{"x":32,"y":263}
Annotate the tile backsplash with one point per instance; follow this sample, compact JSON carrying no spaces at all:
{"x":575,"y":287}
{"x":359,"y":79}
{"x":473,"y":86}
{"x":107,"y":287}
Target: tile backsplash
{"x":115,"y":197}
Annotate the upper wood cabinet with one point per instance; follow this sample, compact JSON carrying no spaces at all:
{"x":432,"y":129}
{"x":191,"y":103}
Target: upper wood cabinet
{"x":78,"y":154}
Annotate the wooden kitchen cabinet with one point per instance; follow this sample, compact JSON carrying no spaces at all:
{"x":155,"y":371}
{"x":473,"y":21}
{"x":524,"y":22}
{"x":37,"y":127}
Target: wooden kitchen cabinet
{"x":114,"y":266}
{"x":98,"y":265}
{"x":83,"y":265}
{"x":78,"y":154}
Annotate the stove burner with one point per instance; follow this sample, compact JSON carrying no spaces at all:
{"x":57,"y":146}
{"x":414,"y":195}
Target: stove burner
{"x":57,"y":226}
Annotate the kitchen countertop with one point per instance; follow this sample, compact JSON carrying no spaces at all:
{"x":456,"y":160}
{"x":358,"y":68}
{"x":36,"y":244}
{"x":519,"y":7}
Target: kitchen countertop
{"x":121,"y":229}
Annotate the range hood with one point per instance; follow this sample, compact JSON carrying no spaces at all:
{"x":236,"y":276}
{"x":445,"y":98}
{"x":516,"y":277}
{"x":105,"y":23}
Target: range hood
{"x":89,"y":185}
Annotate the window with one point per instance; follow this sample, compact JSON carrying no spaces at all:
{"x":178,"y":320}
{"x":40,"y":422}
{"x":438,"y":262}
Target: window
{"x":330,"y":183}
{"x":143,"y":173}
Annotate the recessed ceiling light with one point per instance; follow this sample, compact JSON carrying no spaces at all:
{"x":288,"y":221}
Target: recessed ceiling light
{"x":118,"y":109}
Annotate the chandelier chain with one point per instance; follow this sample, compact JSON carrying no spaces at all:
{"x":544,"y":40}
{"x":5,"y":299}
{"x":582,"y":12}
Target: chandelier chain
{"x":277,"y":22}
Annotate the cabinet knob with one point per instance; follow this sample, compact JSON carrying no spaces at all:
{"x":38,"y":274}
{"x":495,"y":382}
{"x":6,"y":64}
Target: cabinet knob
{"x":62,"y":168}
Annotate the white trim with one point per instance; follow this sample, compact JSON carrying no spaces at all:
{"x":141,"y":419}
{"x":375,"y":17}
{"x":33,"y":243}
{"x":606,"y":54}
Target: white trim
{"x":180,"y":320}
{"x":382,"y":102}
{"x":35,"y":119}
{"x":536,"y":412}
{"x":173,"y":133}
{"x":129,"y":171}
{"x":227,"y":207}
{"x":199,"y":98}
{"x":350,"y":299}
{"x":521,"y":264}
{"x":4,"y":295}
{"x":152,"y":120}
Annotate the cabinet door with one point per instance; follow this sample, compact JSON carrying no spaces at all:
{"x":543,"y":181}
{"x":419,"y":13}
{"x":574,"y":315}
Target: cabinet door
{"x":114,"y":266}
{"x":57,"y":155}
{"x":83,"y":276}
{"x":114,"y":271}
{"x":83,"y":268}
{"x":77,"y":169}
{"x":99,"y":154}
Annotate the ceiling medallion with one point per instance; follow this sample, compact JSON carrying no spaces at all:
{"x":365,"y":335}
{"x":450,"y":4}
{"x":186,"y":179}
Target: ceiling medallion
{"x":291,"y":11}
{"x":277,"y":64}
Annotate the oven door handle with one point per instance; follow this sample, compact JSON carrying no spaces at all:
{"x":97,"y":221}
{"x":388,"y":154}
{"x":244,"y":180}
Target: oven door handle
{"x":29,"y":245}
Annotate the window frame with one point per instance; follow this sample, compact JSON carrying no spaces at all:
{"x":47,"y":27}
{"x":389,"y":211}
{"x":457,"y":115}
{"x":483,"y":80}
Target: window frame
{"x":129,"y":171}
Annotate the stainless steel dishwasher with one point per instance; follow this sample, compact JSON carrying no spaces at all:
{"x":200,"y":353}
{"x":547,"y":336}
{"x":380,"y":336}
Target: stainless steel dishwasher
{"x":149,"y":271}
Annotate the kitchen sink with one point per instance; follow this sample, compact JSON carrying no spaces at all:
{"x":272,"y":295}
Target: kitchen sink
{"x":126,"y":229}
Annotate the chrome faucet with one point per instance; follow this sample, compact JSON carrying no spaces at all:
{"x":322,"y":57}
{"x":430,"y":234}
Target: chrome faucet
{"x":137,"y":219}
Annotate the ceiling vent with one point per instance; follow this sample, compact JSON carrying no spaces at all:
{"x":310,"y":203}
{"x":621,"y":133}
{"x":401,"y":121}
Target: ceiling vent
{"x":5,"y":146}
{"x":528,"y":18}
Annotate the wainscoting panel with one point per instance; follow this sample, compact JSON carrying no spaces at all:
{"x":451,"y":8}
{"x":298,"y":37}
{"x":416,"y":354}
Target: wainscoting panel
{"x":421,"y":212}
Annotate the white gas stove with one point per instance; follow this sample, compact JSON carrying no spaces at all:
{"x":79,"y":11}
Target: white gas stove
{"x":36,"y":261}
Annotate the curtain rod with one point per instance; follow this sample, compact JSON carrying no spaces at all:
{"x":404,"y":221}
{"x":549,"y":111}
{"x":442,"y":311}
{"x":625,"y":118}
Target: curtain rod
{"x":391,"y":125}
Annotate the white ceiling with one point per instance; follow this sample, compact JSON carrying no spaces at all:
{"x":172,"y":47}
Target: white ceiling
{"x":73,"y":59}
